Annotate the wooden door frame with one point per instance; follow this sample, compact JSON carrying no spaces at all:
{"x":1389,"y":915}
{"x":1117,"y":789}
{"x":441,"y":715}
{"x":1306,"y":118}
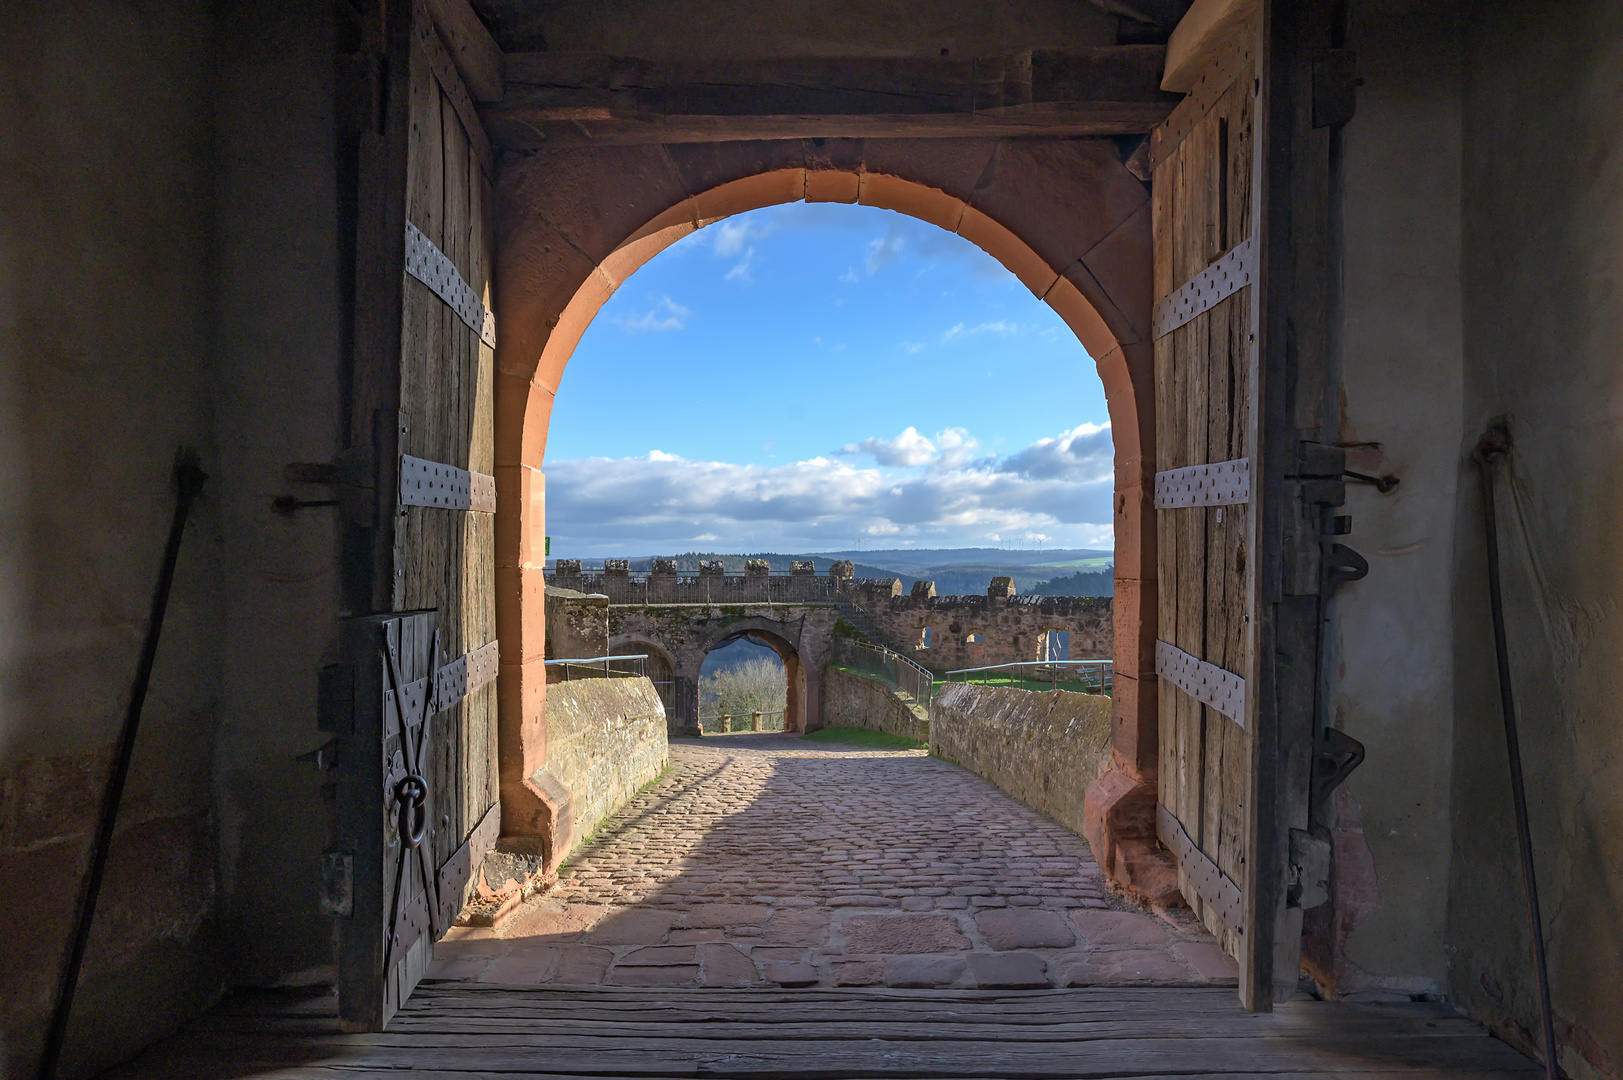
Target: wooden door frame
{"x":1289,"y":411}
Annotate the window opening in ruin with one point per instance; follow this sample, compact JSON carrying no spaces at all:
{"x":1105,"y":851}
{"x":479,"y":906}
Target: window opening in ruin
{"x":743,"y":686}
{"x":974,"y":637}
{"x":926,"y":637}
{"x":1056,"y":645}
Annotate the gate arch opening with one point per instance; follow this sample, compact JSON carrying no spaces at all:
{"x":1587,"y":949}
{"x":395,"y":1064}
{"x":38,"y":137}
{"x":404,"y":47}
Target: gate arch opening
{"x":794,"y":669}
{"x":575,"y":224}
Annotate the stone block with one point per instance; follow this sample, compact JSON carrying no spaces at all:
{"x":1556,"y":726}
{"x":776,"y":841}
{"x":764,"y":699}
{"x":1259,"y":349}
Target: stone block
{"x":923,"y":971}
{"x":861,"y":900}
{"x":860,"y":973}
{"x":798,"y":926}
{"x":701,"y":915}
{"x":783,"y":954}
{"x":889,"y":934}
{"x":632,"y":926}
{"x":725,"y":965}
{"x":1008,"y":971}
{"x":687,"y":975}
{"x":522,"y":967}
{"x":1024,"y":928}
{"x":1209,"y":960}
{"x":793,"y":974}
{"x":582,"y":965}
{"x":1119,"y":928}
{"x":549,"y":920}
{"x":913,"y":199}
{"x":831,"y":185}
{"x":1015,"y":254}
{"x":660,"y":956}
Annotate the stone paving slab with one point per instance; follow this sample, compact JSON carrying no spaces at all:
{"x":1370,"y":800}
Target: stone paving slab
{"x":764,"y":860}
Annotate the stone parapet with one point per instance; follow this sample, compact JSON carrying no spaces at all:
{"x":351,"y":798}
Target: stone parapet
{"x":1011,"y":628}
{"x":1042,"y":748}
{"x":856,"y":701}
{"x":605,"y":739}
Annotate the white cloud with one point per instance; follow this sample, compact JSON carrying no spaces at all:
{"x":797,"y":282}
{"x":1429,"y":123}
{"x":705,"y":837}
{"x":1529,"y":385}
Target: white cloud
{"x":741,"y":269}
{"x":882,"y":251}
{"x":850,"y":276}
{"x":733,"y":235}
{"x":1002,"y":327}
{"x":935,"y":490}
{"x":907,"y":449}
{"x":666,"y":314}
{"x":1085,"y":450}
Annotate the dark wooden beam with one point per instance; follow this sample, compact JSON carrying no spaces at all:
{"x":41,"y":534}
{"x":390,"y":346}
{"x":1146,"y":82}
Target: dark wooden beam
{"x":615,"y":100}
{"x":470,"y":46}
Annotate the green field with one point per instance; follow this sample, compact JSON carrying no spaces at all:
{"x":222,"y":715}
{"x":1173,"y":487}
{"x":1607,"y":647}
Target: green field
{"x":873,"y":740}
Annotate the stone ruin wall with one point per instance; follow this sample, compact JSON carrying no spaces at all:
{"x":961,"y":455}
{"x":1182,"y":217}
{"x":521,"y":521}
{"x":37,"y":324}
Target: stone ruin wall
{"x":1012,"y":626}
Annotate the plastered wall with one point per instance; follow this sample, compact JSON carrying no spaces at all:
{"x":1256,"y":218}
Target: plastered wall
{"x":1480,"y":215}
{"x":105,"y":321}
{"x":168,"y":254}
{"x":1542,"y":257}
{"x":1398,"y":348}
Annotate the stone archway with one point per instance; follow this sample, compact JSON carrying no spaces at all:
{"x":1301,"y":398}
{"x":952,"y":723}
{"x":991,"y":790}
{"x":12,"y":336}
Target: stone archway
{"x":1063,"y":215}
{"x":803,"y":679}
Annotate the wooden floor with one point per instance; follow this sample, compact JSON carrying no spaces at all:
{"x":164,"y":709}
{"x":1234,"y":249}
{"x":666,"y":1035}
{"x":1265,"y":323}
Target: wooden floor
{"x":478,"y":1032}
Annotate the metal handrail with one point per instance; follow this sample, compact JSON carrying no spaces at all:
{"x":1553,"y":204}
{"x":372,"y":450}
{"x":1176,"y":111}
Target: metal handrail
{"x":1105,"y":671}
{"x":905,"y":674}
{"x":641,"y":658}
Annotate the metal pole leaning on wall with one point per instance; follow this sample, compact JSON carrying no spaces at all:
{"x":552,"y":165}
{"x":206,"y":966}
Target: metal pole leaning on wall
{"x":1493,"y":448}
{"x":189,"y":478}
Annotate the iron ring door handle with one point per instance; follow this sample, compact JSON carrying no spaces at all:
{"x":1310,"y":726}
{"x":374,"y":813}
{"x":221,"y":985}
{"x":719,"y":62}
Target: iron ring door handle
{"x":412,"y":795}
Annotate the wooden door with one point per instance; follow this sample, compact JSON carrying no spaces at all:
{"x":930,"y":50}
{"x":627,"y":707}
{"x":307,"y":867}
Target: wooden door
{"x":1240,"y":175}
{"x":418,"y":689}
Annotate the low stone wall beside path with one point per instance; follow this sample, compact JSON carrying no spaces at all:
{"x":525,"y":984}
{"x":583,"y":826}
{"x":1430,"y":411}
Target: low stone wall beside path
{"x":1044,"y":748}
{"x":605,"y":739}
{"x":852,"y":700}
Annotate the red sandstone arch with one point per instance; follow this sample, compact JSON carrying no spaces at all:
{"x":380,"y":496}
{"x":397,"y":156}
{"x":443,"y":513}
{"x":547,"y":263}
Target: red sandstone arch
{"x":800,"y":703}
{"x":1063,"y":215}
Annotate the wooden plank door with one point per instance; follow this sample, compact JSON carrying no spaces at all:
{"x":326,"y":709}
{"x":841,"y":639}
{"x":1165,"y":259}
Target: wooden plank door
{"x":1240,"y":175}
{"x":423,"y":686}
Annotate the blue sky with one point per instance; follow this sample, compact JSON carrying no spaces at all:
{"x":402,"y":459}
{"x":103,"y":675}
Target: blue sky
{"x":806,"y":376}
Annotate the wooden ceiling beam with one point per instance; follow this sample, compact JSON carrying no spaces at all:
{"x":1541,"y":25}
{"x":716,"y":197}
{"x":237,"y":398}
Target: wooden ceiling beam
{"x":474,"y":52}
{"x":614,"y":100}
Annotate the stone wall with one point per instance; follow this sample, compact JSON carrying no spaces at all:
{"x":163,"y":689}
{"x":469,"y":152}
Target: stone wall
{"x":605,"y":739}
{"x":1012,"y":626}
{"x":577,"y":624}
{"x":1042,"y":748}
{"x":176,"y":164}
{"x":681,"y":635}
{"x":852,"y":700}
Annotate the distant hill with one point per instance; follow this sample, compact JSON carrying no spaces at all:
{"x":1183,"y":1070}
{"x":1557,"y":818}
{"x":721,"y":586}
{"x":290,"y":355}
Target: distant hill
{"x":968,"y":571}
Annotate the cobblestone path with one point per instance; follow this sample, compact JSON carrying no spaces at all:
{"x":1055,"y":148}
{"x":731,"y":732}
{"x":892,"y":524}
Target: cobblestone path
{"x":764,"y":860}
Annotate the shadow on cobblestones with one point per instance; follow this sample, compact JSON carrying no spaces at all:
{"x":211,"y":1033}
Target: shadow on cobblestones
{"x":762,"y":860}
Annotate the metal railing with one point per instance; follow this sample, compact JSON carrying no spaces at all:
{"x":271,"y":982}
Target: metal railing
{"x":903,"y":675}
{"x":1090,"y":676}
{"x":600,"y":667}
{"x":756,"y":721}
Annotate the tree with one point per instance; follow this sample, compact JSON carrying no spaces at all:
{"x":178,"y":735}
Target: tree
{"x":757,"y":685}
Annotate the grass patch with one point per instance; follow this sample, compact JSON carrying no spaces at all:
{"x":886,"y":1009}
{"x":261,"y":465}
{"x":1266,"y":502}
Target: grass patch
{"x":876,"y":740}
